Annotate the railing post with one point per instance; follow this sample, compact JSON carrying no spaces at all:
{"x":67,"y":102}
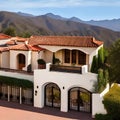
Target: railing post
{"x":84,"y":69}
{"x":8,"y":93}
{"x":20,"y":95}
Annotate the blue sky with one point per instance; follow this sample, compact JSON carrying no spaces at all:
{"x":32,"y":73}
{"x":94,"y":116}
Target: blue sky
{"x":83,"y":9}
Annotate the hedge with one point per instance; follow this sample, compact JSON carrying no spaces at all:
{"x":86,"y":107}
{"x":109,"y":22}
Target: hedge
{"x":16,"y":82}
{"x":112,"y":102}
{"x":103,"y":117}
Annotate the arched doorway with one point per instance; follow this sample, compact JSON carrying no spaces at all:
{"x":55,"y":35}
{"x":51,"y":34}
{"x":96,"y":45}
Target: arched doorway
{"x":79,"y":99}
{"x":52,"y":95}
{"x":21,"y":61}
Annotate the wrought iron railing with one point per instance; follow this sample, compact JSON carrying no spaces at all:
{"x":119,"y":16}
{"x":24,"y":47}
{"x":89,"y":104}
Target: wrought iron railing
{"x":62,"y":68}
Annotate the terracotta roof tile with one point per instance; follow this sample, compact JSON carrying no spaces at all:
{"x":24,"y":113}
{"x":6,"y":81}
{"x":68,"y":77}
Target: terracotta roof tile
{"x":3,"y":49}
{"x":26,"y":47}
{"x":4,"y":36}
{"x":77,"y":41}
{"x":11,"y":42}
{"x":19,"y":39}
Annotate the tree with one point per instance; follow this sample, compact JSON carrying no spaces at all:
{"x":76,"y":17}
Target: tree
{"x":94,"y":67}
{"x":10,"y":31}
{"x":24,"y":34}
{"x":100,"y":57}
{"x":114,"y":62}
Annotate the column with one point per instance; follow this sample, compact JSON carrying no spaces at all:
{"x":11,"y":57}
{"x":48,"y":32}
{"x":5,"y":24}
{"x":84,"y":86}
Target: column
{"x":64,"y":100}
{"x":8,"y":93}
{"x":20,"y":95}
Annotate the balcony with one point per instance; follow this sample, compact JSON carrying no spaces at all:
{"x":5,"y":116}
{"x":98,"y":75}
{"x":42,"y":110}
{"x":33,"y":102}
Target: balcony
{"x":70,"y":69}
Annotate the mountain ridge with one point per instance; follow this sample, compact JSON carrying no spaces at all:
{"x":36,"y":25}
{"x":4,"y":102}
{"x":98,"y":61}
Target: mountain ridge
{"x":44,"y":25}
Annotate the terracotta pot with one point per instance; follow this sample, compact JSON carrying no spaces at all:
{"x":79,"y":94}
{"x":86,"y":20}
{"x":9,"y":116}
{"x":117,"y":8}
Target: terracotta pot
{"x":41,"y":66}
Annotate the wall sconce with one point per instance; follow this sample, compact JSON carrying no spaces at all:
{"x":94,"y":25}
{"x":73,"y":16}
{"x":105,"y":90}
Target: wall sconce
{"x":35,"y":92}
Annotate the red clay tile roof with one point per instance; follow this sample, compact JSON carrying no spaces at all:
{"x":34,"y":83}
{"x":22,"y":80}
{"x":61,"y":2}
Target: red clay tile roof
{"x":11,"y":42}
{"x":26,"y":47}
{"x":19,"y":39}
{"x":3,"y":49}
{"x":4,"y":36}
{"x":77,"y":41}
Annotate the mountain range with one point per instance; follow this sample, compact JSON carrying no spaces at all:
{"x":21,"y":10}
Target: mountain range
{"x":50,"y":24}
{"x":113,"y":24}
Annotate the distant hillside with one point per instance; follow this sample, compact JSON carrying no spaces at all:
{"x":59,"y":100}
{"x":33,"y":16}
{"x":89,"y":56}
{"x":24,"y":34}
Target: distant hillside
{"x":113,"y":24}
{"x":110,"y":24}
{"x":45,"y":25}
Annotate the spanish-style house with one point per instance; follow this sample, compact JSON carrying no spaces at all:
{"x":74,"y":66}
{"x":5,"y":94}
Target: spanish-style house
{"x":66,"y":82}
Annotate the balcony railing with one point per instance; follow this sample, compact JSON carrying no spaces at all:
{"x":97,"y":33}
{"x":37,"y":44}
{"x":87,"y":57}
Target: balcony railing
{"x":62,"y":68}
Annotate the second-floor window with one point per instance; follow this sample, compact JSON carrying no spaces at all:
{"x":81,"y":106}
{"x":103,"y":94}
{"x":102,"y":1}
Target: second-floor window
{"x":67,"y":56}
{"x":81,"y":58}
{"x":74,"y":57}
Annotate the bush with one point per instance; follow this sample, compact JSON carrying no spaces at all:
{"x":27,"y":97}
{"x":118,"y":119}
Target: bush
{"x":16,"y":82}
{"x":29,"y":68}
{"x":57,"y":61}
{"x":112,"y":102}
{"x":102,"y":117}
{"x":41,"y":61}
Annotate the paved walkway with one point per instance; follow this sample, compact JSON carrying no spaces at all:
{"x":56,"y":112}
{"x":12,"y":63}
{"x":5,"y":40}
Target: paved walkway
{"x":15,"y":111}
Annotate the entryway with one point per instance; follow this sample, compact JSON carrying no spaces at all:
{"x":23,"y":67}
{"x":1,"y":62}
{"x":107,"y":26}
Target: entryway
{"x":52,"y":95}
{"x":79,"y":99}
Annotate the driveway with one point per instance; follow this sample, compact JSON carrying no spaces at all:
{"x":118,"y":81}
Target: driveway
{"x":15,"y":111}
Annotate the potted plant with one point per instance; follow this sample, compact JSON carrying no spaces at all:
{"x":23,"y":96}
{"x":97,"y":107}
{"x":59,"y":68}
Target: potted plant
{"x":41,"y":64}
{"x":57,"y":61}
{"x":1,"y":94}
{"x":23,"y":99}
{"x":11,"y":96}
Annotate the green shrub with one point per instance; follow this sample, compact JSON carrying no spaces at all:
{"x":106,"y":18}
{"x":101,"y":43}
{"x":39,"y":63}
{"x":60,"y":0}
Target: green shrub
{"x":103,"y":77}
{"x":16,"y":82}
{"x":112,"y":102}
{"x":103,"y":117}
{"x":41,"y":61}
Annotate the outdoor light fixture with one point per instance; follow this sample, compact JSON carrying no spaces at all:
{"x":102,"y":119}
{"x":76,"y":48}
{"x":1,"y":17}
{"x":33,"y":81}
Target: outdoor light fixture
{"x":35,"y":92}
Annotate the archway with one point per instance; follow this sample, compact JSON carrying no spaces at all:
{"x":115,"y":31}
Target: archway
{"x":21,"y":61}
{"x":52,"y":95}
{"x":79,"y":99}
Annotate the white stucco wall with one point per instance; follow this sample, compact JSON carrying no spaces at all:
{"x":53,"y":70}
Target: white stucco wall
{"x":48,"y":55}
{"x":14,"y":61}
{"x":87,"y":50}
{"x":97,"y":105}
{"x":66,"y":80}
{"x":59,"y":54}
{"x":34,"y":60}
{"x":4,"y":41}
{"x":5,"y":59}
{"x":0,"y":58}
